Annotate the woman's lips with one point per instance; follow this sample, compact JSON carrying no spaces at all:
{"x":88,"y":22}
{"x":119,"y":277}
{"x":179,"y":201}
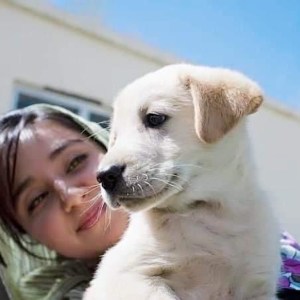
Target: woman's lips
{"x":92,"y":216}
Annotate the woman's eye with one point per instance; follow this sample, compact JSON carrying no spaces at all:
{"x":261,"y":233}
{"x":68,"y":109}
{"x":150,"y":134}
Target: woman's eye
{"x":75,"y":162}
{"x":36,"y":201}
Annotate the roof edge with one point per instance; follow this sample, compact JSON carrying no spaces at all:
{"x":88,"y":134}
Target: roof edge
{"x":281,"y":109}
{"x":53,"y":14}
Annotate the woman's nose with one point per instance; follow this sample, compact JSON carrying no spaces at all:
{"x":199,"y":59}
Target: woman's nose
{"x":69,"y":196}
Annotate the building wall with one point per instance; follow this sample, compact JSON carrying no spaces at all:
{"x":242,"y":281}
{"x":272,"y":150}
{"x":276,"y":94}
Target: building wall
{"x":41,"y":51}
{"x":276,"y":143}
{"x":45,"y":53}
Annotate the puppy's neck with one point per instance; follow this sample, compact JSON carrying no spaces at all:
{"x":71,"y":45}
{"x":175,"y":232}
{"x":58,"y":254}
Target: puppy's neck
{"x":207,"y":205}
{"x":228,"y":178}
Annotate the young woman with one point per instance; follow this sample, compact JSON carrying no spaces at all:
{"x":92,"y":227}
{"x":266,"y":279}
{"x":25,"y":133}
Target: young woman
{"x":50,"y":196}
{"x":54,"y":224}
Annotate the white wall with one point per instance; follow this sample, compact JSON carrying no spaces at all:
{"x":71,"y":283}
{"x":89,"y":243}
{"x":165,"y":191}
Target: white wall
{"x":45,"y":53}
{"x":276,"y":143}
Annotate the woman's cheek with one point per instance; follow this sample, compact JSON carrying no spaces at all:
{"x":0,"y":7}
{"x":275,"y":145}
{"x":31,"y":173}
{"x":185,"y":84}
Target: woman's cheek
{"x":48,"y":226}
{"x":88,"y":177}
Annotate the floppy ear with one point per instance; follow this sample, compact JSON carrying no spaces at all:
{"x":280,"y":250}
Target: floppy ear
{"x":219,"y":104}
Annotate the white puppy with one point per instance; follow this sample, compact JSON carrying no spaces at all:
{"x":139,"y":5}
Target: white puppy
{"x":180,"y":160}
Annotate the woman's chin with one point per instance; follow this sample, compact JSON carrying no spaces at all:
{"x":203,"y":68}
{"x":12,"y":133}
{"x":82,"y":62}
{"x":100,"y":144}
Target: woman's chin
{"x":104,"y":233}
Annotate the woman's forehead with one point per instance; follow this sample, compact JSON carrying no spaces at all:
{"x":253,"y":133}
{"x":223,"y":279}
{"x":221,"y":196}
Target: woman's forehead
{"x":39,"y":142}
{"x":41,"y":139}
{"x":48,"y":131}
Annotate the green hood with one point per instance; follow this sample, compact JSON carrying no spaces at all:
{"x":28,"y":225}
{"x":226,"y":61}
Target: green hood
{"x":98,"y":133}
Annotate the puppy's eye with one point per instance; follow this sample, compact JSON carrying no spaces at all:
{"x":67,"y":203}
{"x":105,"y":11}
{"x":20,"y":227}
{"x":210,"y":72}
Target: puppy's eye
{"x":155,"y":120}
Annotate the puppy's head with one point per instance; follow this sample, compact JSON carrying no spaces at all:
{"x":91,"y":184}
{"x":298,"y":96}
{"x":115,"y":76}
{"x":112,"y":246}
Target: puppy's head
{"x":166,"y":126}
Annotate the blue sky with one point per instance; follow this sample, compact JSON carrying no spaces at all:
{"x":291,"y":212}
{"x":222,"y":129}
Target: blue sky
{"x":259,"y":37}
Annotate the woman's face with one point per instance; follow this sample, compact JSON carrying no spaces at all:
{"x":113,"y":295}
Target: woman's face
{"x":58,"y":197}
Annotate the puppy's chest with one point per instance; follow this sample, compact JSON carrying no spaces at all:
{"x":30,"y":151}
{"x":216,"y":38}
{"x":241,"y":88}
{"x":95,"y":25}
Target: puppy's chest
{"x":199,"y":253}
{"x":196,"y":235}
{"x":196,"y":277}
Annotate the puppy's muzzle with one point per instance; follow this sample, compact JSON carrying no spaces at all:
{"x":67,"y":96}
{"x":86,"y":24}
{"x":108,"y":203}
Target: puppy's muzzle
{"x":110,"y":177}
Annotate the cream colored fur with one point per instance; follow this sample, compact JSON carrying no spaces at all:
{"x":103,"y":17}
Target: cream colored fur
{"x":201,"y":228}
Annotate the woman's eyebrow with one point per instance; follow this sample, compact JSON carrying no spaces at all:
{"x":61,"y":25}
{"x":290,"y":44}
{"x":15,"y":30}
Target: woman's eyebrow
{"x":62,"y":147}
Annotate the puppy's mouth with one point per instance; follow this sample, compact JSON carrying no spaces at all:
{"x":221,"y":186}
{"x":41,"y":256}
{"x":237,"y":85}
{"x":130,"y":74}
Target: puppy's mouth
{"x":142,"y":195}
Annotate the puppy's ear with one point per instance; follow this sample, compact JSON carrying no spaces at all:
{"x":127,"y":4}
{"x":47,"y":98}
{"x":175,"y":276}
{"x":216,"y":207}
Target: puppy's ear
{"x":219,"y":103}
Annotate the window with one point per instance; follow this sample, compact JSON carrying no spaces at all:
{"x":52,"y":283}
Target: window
{"x":87,"y":108}
{"x":27,"y":99}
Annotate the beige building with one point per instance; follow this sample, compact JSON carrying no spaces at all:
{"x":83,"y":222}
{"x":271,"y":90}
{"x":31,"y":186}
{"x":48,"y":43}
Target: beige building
{"x":49,"y":56}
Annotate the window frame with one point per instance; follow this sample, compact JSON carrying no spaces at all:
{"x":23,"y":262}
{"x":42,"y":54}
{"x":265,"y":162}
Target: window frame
{"x":84,"y":106}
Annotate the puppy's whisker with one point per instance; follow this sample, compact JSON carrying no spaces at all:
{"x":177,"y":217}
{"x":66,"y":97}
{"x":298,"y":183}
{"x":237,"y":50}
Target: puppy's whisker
{"x":133,"y":189}
{"x":145,"y":175}
{"x":192,"y":166}
{"x":93,"y":185}
{"x":93,"y":201}
{"x":110,"y":213}
{"x":104,"y":122}
{"x":88,"y":188}
{"x":100,"y":212}
{"x":172,"y":175}
{"x":160,"y":167}
{"x":107,"y":213}
{"x":176,"y":187}
{"x":157,"y":166}
{"x":150,"y":185}
{"x":90,"y":136}
{"x":107,"y":218}
{"x":143,"y":194}
{"x":164,"y":167}
{"x":91,"y":190}
{"x":94,"y":134}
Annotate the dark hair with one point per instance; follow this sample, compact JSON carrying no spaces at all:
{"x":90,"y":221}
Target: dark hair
{"x":11,"y":126}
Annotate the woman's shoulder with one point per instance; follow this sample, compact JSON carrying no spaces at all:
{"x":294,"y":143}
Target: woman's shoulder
{"x":42,"y":276}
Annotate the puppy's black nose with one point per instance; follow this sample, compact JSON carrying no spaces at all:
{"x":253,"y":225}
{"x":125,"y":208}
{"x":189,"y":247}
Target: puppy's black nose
{"x":110,"y":177}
